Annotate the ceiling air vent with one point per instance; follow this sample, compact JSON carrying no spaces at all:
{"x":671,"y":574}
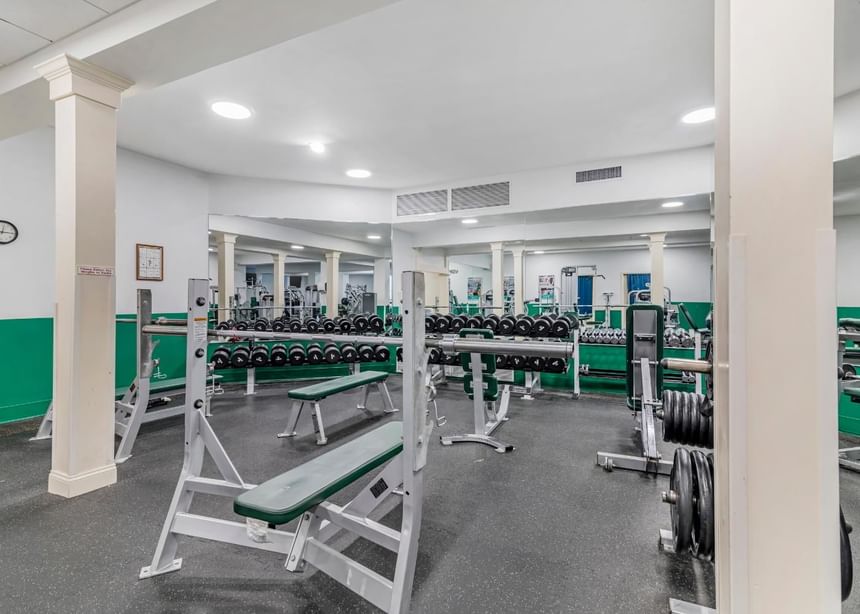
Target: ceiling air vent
{"x":480,"y":196}
{"x":422,"y":202}
{"x":598,"y":174}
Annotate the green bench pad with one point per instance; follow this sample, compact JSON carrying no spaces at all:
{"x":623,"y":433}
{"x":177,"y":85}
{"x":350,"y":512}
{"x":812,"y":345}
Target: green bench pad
{"x":288,"y":496}
{"x":315,"y":392}
{"x":854,"y":393}
{"x":849,"y":322}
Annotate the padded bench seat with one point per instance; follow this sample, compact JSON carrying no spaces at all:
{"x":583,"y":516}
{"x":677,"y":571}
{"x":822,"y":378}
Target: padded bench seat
{"x":853,"y":393}
{"x":849,"y":323}
{"x":288,"y":496}
{"x":316,"y":392}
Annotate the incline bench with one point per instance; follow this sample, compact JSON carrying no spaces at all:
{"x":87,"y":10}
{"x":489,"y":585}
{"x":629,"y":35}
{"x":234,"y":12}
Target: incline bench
{"x":315,"y":393}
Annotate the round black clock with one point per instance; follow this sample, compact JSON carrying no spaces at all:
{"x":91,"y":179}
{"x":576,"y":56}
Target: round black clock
{"x":8,"y":232}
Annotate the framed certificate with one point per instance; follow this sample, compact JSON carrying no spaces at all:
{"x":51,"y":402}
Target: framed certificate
{"x":149,"y":262}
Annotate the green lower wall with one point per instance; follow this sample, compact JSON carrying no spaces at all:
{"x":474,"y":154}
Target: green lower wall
{"x":26,"y":375}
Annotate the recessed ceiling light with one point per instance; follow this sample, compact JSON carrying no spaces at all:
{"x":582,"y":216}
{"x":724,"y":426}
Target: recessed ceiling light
{"x":373,"y":237}
{"x":540,"y":251}
{"x":297,"y":246}
{"x":231,"y":110}
{"x":358,"y":173}
{"x":672,"y":204}
{"x":469,"y":220}
{"x":700,"y":116}
{"x":317,"y":147}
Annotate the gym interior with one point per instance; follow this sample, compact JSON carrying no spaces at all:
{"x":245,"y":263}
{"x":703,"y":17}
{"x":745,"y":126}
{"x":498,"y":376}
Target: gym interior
{"x":429,"y":306}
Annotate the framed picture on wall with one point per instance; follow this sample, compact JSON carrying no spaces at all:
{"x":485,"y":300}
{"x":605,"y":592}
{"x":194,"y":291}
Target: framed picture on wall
{"x":149,"y":262}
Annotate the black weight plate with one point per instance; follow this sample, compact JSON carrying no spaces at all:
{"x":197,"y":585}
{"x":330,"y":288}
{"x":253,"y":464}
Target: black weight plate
{"x":846,"y":562}
{"x":710,"y":439}
{"x":668,"y":411}
{"x":704,"y":421}
{"x":683,"y":420}
{"x":702,"y":544}
{"x":693,"y":410}
{"x":681,"y":483}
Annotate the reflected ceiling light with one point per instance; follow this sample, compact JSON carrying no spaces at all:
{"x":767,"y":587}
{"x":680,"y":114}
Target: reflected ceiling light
{"x":469,"y":220}
{"x":644,"y":236}
{"x":210,"y":232}
{"x":211,"y":249}
{"x":317,"y":147}
{"x":672,"y":204}
{"x":231,"y":110}
{"x":700,"y":116}
{"x":358,"y":173}
{"x":373,"y":237}
{"x":297,"y":246}
{"x":540,"y":251}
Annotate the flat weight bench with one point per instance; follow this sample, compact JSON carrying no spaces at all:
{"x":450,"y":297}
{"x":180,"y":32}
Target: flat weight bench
{"x":315,"y":393}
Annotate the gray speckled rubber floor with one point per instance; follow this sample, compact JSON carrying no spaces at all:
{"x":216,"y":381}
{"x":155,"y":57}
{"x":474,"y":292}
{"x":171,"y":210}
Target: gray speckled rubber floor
{"x":539,"y":530}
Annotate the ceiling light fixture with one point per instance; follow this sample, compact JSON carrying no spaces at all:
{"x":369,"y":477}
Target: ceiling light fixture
{"x":358,"y":173}
{"x":469,"y":220}
{"x":700,"y":116}
{"x":231,"y":110}
{"x":672,"y":204}
{"x":317,"y":147}
{"x":297,"y":246}
{"x":374,"y":237}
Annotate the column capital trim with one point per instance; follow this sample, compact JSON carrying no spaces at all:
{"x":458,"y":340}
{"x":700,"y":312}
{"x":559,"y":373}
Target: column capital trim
{"x":225,"y":237}
{"x":497,"y":245}
{"x":332,"y":255}
{"x":69,"y":76}
{"x":657,"y":237}
{"x":518,"y":250}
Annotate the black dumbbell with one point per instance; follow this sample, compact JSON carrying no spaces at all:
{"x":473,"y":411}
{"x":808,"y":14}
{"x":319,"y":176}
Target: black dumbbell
{"x":541,"y":327}
{"x":348,"y":353}
{"x":231,"y":323}
{"x":331,"y":353}
{"x":491,"y":322}
{"x":376,"y":324}
{"x":443,"y":323}
{"x":240,"y":357}
{"x":241,"y":325}
{"x":517,"y":362}
{"x":501,"y":361}
{"x":536,"y":363}
{"x":475,"y":321}
{"x":261,"y":324}
{"x":221,"y":357}
{"x":506,"y":325}
{"x":278,"y":326}
{"x":295,"y":326}
{"x":311,"y":325}
{"x":562,"y":326}
{"x":365,"y":353}
{"x":278,"y":355}
{"x":344,"y":325}
{"x":434,"y":355}
{"x":328,"y":325}
{"x":222,"y":326}
{"x":523,"y":326}
{"x":430,"y":322}
{"x":399,"y":354}
{"x":381,"y":353}
{"x":453,"y":359}
{"x":556,"y":365}
{"x":361,"y":323}
{"x":297,"y":354}
{"x":315,"y":354}
{"x":260,"y":356}
{"x":457,"y":324}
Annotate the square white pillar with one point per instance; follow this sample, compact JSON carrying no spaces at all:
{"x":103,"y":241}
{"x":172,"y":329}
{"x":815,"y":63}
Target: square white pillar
{"x":278,"y":283}
{"x":777,"y":513}
{"x":86,"y":98}
{"x":497,"y":275}
{"x":226,"y":245}
{"x":519,"y":299}
{"x":381,"y":275}
{"x":656,"y":242}
{"x":332,"y":282}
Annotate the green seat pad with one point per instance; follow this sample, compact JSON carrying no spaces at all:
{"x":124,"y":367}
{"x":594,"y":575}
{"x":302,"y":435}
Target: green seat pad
{"x":315,"y":392}
{"x":854,"y":393}
{"x":288,"y":496}
{"x":159,"y":385}
{"x":850,"y":322}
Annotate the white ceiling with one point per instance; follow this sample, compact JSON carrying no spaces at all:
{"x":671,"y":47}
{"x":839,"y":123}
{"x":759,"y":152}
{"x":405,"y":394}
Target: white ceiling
{"x":354,"y":231}
{"x":28,"y":25}
{"x":422,"y":92}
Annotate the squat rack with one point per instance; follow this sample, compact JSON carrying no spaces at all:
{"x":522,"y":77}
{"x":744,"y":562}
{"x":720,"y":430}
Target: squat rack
{"x":402,"y":476}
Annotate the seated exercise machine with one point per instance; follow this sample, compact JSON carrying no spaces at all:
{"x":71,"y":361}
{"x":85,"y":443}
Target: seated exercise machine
{"x":315,"y":393}
{"x":131,"y":409}
{"x":398,"y":450}
{"x":644,"y":386}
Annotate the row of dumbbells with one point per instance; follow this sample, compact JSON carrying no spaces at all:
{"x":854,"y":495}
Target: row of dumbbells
{"x":606,"y":336}
{"x":296,"y":355}
{"x":678,"y":338}
{"x":515,"y":362}
{"x":361,"y":323}
{"x":547,"y":325}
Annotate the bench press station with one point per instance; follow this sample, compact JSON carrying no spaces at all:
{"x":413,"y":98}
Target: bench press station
{"x":399,"y":449}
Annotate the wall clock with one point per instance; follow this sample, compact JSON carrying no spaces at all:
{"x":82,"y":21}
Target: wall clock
{"x":8,"y":232}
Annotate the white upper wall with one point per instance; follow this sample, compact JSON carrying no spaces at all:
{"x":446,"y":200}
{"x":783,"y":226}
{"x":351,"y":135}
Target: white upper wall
{"x":847,"y":257}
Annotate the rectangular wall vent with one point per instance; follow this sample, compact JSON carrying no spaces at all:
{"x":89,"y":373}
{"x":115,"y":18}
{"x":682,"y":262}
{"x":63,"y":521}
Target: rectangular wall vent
{"x":481,"y":196}
{"x":422,"y":202}
{"x":598,"y":174}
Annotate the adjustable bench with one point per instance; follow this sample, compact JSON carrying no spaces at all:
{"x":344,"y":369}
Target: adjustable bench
{"x":315,"y":393}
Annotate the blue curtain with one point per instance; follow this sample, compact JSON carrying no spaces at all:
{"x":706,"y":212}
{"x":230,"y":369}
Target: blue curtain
{"x":585,"y":294}
{"x":637,"y":281}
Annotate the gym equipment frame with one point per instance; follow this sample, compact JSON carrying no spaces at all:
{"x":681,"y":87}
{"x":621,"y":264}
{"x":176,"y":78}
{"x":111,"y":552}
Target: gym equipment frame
{"x":403,"y":475}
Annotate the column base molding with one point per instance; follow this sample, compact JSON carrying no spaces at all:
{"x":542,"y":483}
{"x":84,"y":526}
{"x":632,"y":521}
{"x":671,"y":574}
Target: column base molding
{"x":70,"y":486}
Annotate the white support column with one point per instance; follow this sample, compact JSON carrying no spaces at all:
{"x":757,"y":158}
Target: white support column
{"x":381,"y":274}
{"x":656,"y":242}
{"x":278,"y":282}
{"x":777,"y":518}
{"x":226,"y":273}
{"x":86,"y":98}
{"x":498,"y":277}
{"x":519,"y":299}
{"x":332,"y":280}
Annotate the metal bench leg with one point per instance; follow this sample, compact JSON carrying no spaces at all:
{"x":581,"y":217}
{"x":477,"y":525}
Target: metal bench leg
{"x":318,"y":425}
{"x":365,"y":393}
{"x":294,"y":419}
{"x":382,"y":387}
{"x":47,"y":425}
{"x":308,"y":526}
